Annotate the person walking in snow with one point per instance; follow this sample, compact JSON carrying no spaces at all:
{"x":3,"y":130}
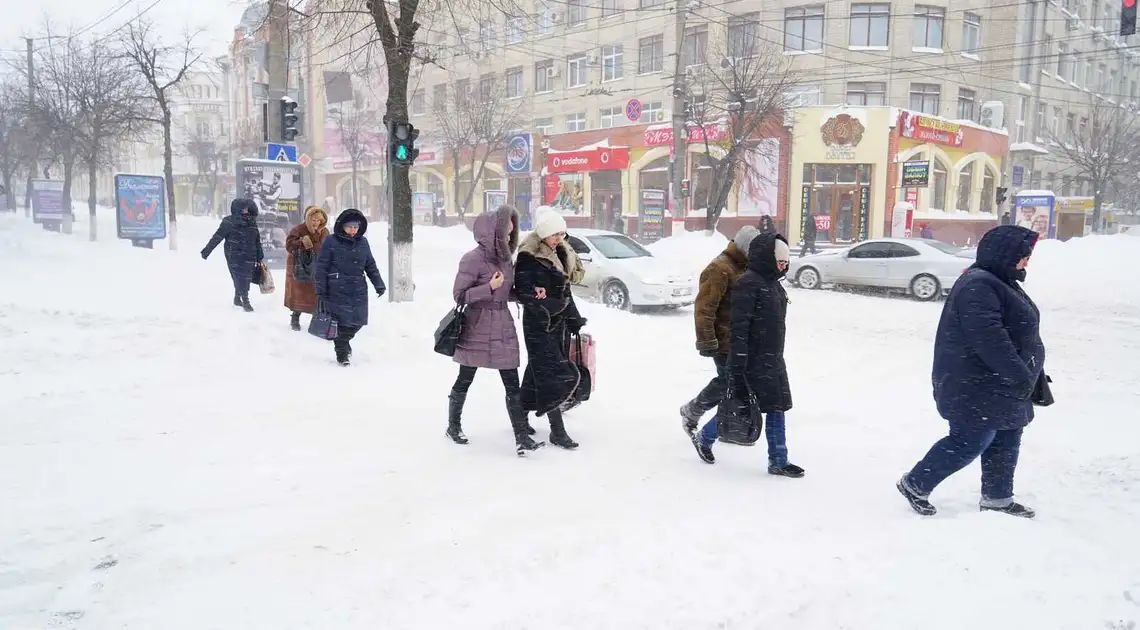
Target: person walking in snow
{"x":757,"y":372}
{"x":344,"y":260}
{"x":484,"y":284}
{"x":545,"y":270}
{"x":988,"y":362}
{"x":711,"y":315}
{"x":810,"y":234}
{"x":243,"y":248}
{"x":927,"y":232}
{"x":304,"y":240}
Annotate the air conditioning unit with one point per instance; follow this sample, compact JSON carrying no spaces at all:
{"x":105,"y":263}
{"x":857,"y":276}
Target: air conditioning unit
{"x":592,"y":60}
{"x":1072,"y":23}
{"x":993,"y":114}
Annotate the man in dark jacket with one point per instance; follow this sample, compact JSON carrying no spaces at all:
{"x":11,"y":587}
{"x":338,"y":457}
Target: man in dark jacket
{"x":243,"y":248}
{"x":756,"y":368}
{"x":810,"y":232}
{"x":988,"y":357}
{"x":343,"y":262}
{"x":711,"y":313}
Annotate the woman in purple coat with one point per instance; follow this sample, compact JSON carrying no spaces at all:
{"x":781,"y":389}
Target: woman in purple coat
{"x":484,"y":284}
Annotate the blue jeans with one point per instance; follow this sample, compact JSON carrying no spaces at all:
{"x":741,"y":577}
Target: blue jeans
{"x":773,"y":431}
{"x":998,"y":449}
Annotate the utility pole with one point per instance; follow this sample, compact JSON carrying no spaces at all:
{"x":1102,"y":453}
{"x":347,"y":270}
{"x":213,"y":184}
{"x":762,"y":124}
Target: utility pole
{"x":676,"y":202}
{"x":31,"y":99}
{"x":277,"y":23}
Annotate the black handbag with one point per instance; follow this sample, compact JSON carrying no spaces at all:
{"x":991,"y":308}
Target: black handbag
{"x":449,"y":331}
{"x":1042,"y":393}
{"x":739,"y":421}
{"x":303,"y":266}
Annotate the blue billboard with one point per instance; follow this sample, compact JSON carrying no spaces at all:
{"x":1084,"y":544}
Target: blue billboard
{"x":1036,"y":212}
{"x":140,"y":207}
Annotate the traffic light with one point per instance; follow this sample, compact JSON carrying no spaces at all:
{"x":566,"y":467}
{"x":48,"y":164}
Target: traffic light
{"x":1127,"y":17}
{"x":1000,"y":195}
{"x":288,"y":119}
{"x":402,"y":143}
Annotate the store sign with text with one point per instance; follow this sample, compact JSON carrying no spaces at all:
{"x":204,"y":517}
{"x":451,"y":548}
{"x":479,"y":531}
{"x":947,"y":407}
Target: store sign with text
{"x":928,"y":129}
{"x":586,"y":160}
{"x":662,"y":135}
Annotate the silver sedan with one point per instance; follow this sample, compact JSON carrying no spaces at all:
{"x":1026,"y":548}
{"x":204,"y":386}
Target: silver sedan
{"x":923,"y":268}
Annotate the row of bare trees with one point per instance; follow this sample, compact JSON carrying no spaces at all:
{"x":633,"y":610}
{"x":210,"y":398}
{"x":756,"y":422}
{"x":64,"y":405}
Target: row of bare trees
{"x":86,"y":101}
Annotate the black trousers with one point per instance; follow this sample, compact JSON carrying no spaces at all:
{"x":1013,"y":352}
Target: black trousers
{"x":344,"y":335}
{"x":714,"y":392}
{"x":467,"y":377}
{"x":808,"y":244}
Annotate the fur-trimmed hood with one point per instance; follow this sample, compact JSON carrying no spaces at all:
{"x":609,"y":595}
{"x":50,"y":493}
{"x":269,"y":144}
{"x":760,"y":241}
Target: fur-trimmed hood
{"x":536,"y":247}
{"x":490,"y":232}
{"x":311,"y":210}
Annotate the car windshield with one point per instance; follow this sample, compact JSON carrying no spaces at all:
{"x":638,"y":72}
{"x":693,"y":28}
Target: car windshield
{"x":945,"y":248}
{"x":617,"y":247}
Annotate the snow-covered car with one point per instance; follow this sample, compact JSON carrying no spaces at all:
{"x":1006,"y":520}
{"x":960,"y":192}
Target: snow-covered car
{"x":923,"y":268}
{"x":622,"y":274}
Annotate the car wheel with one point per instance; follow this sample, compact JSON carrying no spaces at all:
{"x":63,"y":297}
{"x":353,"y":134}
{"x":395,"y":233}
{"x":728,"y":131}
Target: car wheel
{"x":925,"y":288}
{"x":808,"y":278}
{"x":615,"y":295}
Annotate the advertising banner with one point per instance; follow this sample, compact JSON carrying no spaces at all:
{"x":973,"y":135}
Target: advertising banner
{"x":423,"y":206}
{"x":928,"y":129}
{"x":1036,"y":213}
{"x":492,"y":199}
{"x":564,"y":193}
{"x":916,"y":174}
{"x":651,"y":218}
{"x":586,"y":160}
{"x":47,"y":200}
{"x":140,"y":207}
{"x":276,"y":187}
{"x":519,"y":150}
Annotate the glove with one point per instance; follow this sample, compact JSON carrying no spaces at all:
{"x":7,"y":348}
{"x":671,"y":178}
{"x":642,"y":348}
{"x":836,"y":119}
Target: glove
{"x":205,"y":255}
{"x":380,"y":292}
{"x":709,"y":353}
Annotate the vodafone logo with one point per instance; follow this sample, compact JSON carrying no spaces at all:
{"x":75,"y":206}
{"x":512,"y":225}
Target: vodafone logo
{"x":606,"y":158}
{"x":559,"y":162}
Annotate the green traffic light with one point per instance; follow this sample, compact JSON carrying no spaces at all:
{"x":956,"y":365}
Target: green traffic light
{"x":401,"y":152}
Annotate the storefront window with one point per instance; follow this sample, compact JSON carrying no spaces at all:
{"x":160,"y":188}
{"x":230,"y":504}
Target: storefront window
{"x":988,"y":191}
{"x":965,"y":188}
{"x":938,"y":181}
{"x":864,"y":173}
{"x":702,"y":175}
{"x":492,"y":182}
{"x":435,"y":187}
{"x":655,"y":176}
{"x":848,"y":174}
{"x":564,"y":193}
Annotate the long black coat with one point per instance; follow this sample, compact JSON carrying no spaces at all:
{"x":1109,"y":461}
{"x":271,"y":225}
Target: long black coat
{"x":550,"y":378}
{"x":988,"y":352}
{"x":759,"y":308}
{"x":340,"y":270}
{"x":243,"y":243}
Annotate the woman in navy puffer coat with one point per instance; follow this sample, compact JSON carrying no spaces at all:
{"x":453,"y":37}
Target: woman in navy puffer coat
{"x":988,"y":359}
{"x":243,"y":247}
{"x":344,"y":260}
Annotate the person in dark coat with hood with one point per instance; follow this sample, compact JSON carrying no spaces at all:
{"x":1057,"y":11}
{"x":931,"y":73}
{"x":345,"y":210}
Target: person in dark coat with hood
{"x":988,"y":360}
{"x":243,"y":247}
{"x":810,"y":234}
{"x":545,"y":270}
{"x":344,"y":260}
{"x":757,"y":372}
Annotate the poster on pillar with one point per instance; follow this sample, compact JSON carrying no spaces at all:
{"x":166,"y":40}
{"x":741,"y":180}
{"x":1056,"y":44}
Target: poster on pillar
{"x":565,"y":193}
{"x":757,"y":193}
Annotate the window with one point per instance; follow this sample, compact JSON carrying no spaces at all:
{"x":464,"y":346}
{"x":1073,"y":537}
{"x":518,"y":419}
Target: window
{"x":1074,"y":75}
{"x":1039,"y":126}
{"x":928,"y":27}
{"x":462,"y":92}
{"x":419,"y":103}
{"x":645,"y":4}
{"x":544,"y":76}
{"x":652,"y":112}
{"x":1083,"y":126}
{"x":612,"y":63}
{"x":803,"y":95}
{"x":618,"y":247}
{"x":988,"y":180}
{"x":743,"y":32}
{"x":925,"y":97}
{"x":1066,"y":185}
{"x":870,"y":25}
{"x":439,"y":96}
{"x":1090,"y":79}
{"x":1055,"y":123}
{"x":486,"y":87}
{"x":1047,"y":54}
{"x":1110,"y":89}
{"x":938,"y":180}
{"x":1063,"y":60}
{"x":546,"y":22}
{"x":462,"y":39}
{"x":971,"y":33}
{"x":514,"y":78}
{"x":577,"y":71}
{"x":803,"y":29}
{"x":651,"y":54}
{"x":966,"y":101}
{"x":1025,"y":69}
{"x":1100,"y":74}
{"x":544,"y":125}
{"x":610,"y":117}
{"x":898,"y":250}
{"x":514,"y":30}
{"x":695,"y":45}
{"x":866,"y":93}
{"x":578,"y":245}
{"x":870,"y":250}
{"x":1070,"y":126}
{"x":576,"y":122}
{"x":965,"y":187}
{"x":576,"y":12}
{"x":610,"y":8}
{"x":487,"y":35}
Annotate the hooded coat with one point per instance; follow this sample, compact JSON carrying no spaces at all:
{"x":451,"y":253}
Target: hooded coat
{"x":550,"y":378}
{"x":489,"y":339}
{"x":988,"y":352}
{"x":243,"y":243}
{"x":712,"y":305}
{"x":343,"y":263}
{"x":302,"y":296}
{"x":759,"y":308}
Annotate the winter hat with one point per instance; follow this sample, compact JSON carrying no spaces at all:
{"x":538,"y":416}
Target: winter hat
{"x":548,"y":223}
{"x":352,"y":224}
{"x":744,"y":238}
{"x":783,"y":252}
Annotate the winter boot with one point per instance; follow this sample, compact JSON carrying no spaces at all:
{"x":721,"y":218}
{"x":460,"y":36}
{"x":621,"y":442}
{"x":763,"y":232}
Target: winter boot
{"x":558,"y":435}
{"x":295,"y":321}
{"x":787,"y":470}
{"x":1013,"y":509}
{"x":245,"y":305}
{"x":918,"y":503}
{"x":237,"y":300}
{"x":454,"y":416}
{"x":524,"y":443}
{"x":689,"y":418}
{"x":704,"y":451}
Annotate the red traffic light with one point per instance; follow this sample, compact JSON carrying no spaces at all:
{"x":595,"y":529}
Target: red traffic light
{"x":1128,"y":4}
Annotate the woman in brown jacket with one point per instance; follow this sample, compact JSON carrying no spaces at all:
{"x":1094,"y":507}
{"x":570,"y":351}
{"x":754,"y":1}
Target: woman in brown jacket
{"x":306,"y":237}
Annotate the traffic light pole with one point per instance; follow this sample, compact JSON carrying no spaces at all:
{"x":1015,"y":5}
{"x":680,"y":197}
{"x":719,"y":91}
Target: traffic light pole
{"x":390,"y":198}
{"x":278,"y":26}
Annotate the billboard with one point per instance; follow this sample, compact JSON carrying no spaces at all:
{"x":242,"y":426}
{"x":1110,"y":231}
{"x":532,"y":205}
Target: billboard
{"x":276,"y":187}
{"x":1035,"y":211}
{"x":140,"y":207}
{"x":47,"y":200}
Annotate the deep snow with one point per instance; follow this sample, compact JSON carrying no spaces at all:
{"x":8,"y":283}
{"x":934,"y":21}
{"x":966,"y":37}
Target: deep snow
{"x":167,"y":461}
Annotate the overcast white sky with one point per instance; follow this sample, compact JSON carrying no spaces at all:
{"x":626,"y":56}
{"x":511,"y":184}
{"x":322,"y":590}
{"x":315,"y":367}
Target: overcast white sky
{"x":26,"y":17}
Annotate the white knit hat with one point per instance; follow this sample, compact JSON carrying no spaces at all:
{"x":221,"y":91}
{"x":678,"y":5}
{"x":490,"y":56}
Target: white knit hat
{"x":548,"y":223}
{"x":783,"y":252}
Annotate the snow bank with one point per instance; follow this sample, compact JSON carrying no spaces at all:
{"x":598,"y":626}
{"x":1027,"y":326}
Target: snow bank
{"x":692,"y":250}
{"x":1095,"y":275}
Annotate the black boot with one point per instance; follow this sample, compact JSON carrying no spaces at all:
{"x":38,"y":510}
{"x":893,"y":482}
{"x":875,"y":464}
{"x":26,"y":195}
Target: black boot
{"x":522,"y":429}
{"x":245,"y":305}
{"x":454,"y":417}
{"x":342,"y":353}
{"x":558,"y":435}
{"x":295,"y":321}
{"x":237,"y":300}
{"x":1013,"y":509}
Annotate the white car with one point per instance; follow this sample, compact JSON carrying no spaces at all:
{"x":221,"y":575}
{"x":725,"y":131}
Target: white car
{"x":923,"y":268}
{"x":622,"y":274}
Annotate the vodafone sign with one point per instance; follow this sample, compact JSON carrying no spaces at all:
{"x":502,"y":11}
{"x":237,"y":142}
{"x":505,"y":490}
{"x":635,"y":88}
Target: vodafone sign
{"x":598,"y":159}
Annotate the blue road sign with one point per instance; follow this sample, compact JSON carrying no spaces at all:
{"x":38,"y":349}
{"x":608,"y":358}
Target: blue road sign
{"x":280,"y":152}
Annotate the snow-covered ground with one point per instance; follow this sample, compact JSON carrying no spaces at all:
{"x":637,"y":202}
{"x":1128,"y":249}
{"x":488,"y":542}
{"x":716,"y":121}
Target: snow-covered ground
{"x":168,"y":462}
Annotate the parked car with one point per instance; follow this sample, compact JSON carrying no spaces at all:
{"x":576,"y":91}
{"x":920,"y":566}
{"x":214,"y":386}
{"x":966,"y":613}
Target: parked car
{"x":923,"y":268}
{"x":622,"y":274}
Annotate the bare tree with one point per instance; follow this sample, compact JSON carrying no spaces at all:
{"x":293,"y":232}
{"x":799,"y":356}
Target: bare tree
{"x":474,"y":128}
{"x":210,"y":161}
{"x":163,"y":67}
{"x":15,"y":137}
{"x":736,"y":101}
{"x":1103,"y":149}
{"x":361,"y":136}
{"x":55,"y":117}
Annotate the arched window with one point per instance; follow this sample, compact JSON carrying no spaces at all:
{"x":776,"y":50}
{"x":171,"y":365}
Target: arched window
{"x":965,"y":187}
{"x":989,"y":181}
{"x":938,"y":182}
